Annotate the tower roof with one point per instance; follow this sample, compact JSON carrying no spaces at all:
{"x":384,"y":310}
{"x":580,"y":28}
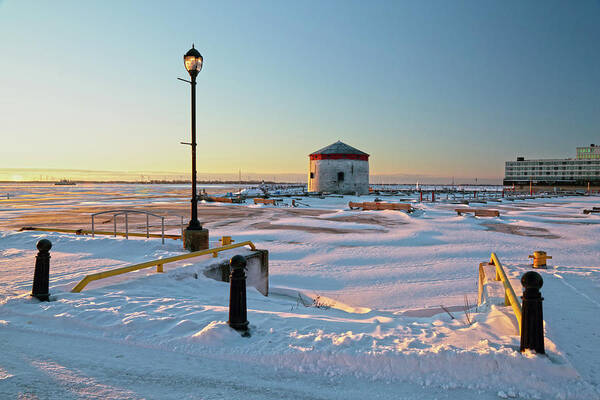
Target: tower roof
{"x":339,"y":148}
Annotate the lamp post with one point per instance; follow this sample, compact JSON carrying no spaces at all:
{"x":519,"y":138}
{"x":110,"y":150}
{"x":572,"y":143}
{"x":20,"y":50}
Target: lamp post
{"x":195,"y":237}
{"x":193,"y":64}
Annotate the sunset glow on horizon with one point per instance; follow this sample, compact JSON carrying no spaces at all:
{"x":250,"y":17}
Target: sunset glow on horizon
{"x":409,"y":83}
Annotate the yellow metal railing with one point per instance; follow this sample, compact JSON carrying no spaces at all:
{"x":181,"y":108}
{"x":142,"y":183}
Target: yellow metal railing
{"x":158,"y":263}
{"x":510,"y":298}
{"x":89,"y":232}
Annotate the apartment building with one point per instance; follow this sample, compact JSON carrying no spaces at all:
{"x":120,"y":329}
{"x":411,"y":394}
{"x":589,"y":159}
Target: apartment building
{"x":580,"y":171}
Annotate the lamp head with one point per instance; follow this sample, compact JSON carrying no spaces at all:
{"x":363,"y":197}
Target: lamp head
{"x":193,"y":61}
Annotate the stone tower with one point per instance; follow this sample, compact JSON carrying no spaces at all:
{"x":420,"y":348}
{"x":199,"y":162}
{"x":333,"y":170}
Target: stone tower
{"x":339,"y":168}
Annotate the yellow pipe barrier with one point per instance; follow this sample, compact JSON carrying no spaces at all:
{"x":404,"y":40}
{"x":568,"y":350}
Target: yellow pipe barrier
{"x":158,"y":263}
{"x":510,"y":298}
{"x":88,"y":232}
{"x":480,"y":284}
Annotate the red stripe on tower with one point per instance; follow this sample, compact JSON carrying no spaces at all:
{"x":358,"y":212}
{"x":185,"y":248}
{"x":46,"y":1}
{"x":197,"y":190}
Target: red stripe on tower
{"x":364,"y":157}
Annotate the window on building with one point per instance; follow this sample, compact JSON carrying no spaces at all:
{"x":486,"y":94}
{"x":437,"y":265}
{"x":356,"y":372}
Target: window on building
{"x":312,"y":175}
{"x":340,"y":177}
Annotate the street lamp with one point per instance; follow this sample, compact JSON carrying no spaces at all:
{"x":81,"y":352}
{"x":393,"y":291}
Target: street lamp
{"x":193,"y":64}
{"x":194,"y":237}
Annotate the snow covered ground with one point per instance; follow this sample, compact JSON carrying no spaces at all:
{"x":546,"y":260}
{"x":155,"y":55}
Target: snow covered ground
{"x":354,"y":310}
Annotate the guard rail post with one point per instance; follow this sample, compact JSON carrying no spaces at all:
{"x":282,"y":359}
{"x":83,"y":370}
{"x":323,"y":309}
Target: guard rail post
{"x":238,"y":313}
{"x":41,"y":275}
{"x":532,"y":319}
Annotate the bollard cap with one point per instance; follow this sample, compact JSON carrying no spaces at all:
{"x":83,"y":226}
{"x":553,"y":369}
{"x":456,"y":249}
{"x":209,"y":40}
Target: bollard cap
{"x":238,"y":262}
{"x":532,"y":280}
{"x":44,"y":245}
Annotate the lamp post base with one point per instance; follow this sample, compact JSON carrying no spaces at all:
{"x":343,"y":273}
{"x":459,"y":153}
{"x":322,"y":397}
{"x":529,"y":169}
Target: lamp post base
{"x":196,"y":239}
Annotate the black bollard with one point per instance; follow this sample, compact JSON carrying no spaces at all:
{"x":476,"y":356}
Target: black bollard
{"x":532,"y":318}
{"x":238,"y":317}
{"x":41,"y":276}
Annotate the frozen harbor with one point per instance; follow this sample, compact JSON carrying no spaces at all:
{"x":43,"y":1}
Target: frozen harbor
{"x":377,"y":329}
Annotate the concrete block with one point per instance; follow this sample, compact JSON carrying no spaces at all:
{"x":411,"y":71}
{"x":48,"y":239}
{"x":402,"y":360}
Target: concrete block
{"x":194,"y":240}
{"x":257,"y":274}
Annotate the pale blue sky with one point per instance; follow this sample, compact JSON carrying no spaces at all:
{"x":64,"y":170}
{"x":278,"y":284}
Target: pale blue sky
{"x":444,"y":88}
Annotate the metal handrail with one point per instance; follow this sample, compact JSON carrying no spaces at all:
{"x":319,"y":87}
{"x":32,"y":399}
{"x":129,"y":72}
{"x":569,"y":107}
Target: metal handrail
{"x":510,"y":298}
{"x":115,"y":213}
{"x":158,"y":263}
{"x":129,"y":211}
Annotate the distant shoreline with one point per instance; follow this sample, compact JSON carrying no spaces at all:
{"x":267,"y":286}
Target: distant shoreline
{"x":180,"y":182}
{"x":166,"y":182}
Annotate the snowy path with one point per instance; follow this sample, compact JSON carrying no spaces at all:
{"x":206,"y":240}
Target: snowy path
{"x":41,"y":366}
{"x":576,"y":336}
